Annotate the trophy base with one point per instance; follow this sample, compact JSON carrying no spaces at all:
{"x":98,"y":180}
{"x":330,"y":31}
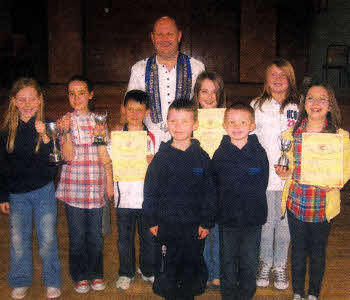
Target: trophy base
{"x":98,"y":141}
{"x":55,"y":160}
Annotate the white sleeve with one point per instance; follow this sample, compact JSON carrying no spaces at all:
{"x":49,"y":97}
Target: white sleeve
{"x":137,"y":77}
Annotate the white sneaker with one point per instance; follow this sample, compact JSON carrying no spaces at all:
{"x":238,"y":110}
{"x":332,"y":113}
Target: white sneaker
{"x":297,"y":297}
{"x":19,"y":293}
{"x":263,"y":278}
{"x":145,"y":278}
{"x":312,"y":297}
{"x":82,"y":287}
{"x":281,"y":281}
{"x":98,"y":284}
{"x":53,"y":293}
{"x":123,"y":282}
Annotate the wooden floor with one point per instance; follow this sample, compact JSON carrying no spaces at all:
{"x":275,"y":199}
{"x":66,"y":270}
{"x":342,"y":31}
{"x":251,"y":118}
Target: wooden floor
{"x":336,"y":284}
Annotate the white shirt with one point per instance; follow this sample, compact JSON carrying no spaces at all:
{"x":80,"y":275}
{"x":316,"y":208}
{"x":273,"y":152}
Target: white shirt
{"x":269,"y":125}
{"x":167,"y":90}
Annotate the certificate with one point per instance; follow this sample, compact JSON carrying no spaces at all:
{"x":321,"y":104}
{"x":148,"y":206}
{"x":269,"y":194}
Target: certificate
{"x":210,"y":130}
{"x":322,"y":159}
{"x":129,"y":150}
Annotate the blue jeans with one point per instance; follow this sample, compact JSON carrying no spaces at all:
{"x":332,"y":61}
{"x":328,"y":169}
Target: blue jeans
{"x":85,"y":243}
{"x":275,"y":235}
{"x":211,"y":253}
{"x":40,"y":204}
{"x":239,"y":260}
{"x":126,"y":222}
{"x":308,"y":240}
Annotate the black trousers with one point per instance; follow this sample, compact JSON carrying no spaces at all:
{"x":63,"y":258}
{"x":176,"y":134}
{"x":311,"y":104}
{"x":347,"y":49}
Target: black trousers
{"x":308,"y":240}
{"x":180,"y":270}
{"x":239,"y":256}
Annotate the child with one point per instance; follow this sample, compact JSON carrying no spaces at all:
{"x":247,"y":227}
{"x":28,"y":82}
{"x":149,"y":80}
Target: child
{"x":275,"y":110}
{"x":179,"y":206}
{"x":81,"y":187}
{"x":209,"y":93}
{"x":241,"y":172}
{"x":27,"y":188}
{"x":311,"y":208}
{"x":128,"y":202}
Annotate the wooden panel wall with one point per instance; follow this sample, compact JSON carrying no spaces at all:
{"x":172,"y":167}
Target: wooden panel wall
{"x":236,"y":39}
{"x":118,"y":37}
{"x":258,"y":38}
{"x":65,"y":39}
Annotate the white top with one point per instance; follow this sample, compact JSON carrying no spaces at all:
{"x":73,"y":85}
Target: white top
{"x":130,"y":193}
{"x":167,"y":90}
{"x":269,"y":125}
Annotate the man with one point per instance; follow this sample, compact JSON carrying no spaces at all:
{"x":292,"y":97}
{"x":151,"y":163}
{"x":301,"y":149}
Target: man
{"x":165,"y":76}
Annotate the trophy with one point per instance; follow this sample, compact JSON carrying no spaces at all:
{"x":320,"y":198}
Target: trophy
{"x":100,"y":119}
{"x":54,"y":157}
{"x":284,"y":146}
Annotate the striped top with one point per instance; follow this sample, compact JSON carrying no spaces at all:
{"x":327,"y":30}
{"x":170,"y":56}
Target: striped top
{"x":82,"y":181}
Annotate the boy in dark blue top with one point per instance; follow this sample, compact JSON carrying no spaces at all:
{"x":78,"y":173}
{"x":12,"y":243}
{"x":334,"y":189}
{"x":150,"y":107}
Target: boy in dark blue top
{"x":180,"y":206}
{"x":241,"y":172}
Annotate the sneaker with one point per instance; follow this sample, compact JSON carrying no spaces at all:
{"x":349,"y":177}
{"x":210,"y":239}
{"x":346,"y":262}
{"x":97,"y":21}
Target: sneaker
{"x":19,"y":293}
{"x":82,"y":287}
{"x":281,"y":281}
{"x":123,"y":282}
{"x":263,"y":278}
{"x":297,"y":297}
{"x":98,"y":285}
{"x":145,"y":278}
{"x":52,"y":292}
{"x":312,"y":297}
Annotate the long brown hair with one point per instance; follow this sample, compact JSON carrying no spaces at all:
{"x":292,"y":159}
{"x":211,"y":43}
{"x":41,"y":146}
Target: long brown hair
{"x":12,"y":115}
{"x":292,"y":93}
{"x":218,"y":82}
{"x":333,"y":116}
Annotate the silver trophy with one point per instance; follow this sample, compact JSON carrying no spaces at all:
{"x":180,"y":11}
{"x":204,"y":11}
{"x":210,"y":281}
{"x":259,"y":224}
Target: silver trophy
{"x":100,"y":118}
{"x":55,"y":157}
{"x":284,"y":146}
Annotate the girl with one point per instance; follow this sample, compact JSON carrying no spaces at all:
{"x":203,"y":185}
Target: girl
{"x":209,"y":93}
{"x":275,"y":110}
{"x":27,"y":188}
{"x":81,"y":188}
{"x":310,"y":208}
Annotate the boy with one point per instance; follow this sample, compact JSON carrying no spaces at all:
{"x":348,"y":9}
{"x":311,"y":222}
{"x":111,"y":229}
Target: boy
{"x":180,"y":205}
{"x":241,"y":171}
{"x":128,"y":201}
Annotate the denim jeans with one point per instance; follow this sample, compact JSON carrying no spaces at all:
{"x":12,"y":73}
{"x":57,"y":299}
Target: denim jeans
{"x":85,"y":243}
{"x":239,"y":260}
{"x":40,"y":204}
{"x":308,"y":240}
{"x":275,"y":235}
{"x":211,"y":253}
{"x":126,"y":221}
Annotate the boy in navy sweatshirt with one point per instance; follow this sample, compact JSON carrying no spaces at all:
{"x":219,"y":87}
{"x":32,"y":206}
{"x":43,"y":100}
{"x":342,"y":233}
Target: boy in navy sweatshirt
{"x":241,"y":171}
{"x":180,"y":206}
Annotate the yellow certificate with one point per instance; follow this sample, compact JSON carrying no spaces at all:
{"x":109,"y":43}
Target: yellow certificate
{"x":322,"y":159}
{"x":210,"y":130}
{"x":129,"y":150}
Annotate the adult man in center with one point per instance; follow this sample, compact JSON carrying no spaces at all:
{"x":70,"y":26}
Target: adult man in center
{"x":165,"y":76}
